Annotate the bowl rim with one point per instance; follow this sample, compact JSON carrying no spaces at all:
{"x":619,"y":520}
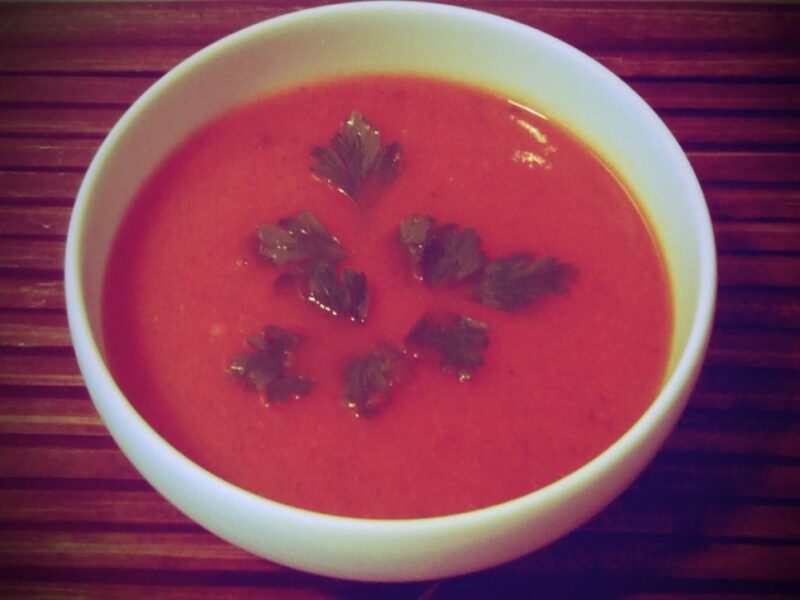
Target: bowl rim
{"x":97,"y":375}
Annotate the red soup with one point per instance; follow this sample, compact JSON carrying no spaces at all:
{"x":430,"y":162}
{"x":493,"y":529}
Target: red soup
{"x":552,"y":382}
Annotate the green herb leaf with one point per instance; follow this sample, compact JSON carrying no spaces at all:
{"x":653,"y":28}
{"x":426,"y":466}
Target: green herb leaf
{"x":441,"y":254}
{"x":355,"y":158}
{"x":458,"y":340}
{"x":288,"y":386}
{"x":348,"y":298}
{"x":414,"y":234}
{"x":266,"y":368}
{"x":369,"y":379}
{"x":298,"y":239}
{"x":516,"y":281}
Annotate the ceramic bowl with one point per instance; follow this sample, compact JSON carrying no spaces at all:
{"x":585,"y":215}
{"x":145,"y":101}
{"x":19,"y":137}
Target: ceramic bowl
{"x":501,"y":55}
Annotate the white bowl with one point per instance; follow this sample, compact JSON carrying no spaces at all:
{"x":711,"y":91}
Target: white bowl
{"x":460,"y":44}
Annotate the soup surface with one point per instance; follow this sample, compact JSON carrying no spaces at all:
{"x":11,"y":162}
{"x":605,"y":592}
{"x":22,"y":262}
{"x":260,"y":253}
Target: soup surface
{"x":562,"y":378}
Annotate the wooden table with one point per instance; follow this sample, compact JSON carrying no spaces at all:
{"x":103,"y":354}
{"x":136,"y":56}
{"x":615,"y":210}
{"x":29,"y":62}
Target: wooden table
{"x":717,"y":514}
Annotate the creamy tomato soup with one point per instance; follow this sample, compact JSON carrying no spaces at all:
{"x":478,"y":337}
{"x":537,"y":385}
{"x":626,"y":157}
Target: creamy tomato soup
{"x":561,"y":378}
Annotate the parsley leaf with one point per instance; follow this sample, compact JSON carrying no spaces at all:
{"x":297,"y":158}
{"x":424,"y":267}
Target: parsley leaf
{"x":356,"y":159}
{"x":369,"y":379}
{"x":297,"y":239}
{"x":414,"y":234}
{"x":348,"y":298}
{"x":516,"y":281}
{"x":441,"y":254}
{"x":266,"y":368}
{"x":457,"y":339}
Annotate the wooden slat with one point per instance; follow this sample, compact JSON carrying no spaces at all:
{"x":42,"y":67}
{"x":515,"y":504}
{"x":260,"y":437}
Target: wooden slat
{"x":718,"y":432}
{"x":26,"y":185}
{"x":576,"y":555}
{"x":22,"y":154}
{"x":730,"y":236}
{"x":52,"y":153}
{"x":747,"y":389}
{"x":31,"y":293}
{"x":45,"y":255}
{"x":747,"y":167}
{"x":675,"y":557}
{"x":76,"y":90}
{"x":95,"y":59}
{"x":717,"y":475}
{"x":92,"y":507}
{"x":273,"y":587}
{"x":760,"y":130}
{"x":719,"y":95}
{"x":40,"y":370}
{"x":157,"y":59}
{"x":662,"y":95}
{"x":691,"y":130}
{"x":713,"y":476}
{"x":754,"y":348}
{"x":757,"y":237}
{"x":751,"y":308}
{"x":632,"y":513}
{"x":728,"y":347}
{"x":760,"y":270}
{"x":698,"y":515}
{"x":49,"y":221}
{"x":769,"y":595}
{"x":51,"y":415}
{"x":77,"y":122}
{"x":34,"y":330}
{"x":130,"y":550}
{"x":26,"y":461}
{"x":740,"y":202}
{"x":694,"y":27}
{"x":683,"y":65}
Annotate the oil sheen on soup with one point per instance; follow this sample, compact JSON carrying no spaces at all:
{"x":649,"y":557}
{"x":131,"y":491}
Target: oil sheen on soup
{"x":561,"y":378}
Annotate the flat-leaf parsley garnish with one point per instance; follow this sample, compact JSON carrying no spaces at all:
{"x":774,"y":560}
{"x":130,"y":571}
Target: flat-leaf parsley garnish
{"x":458,"y":341}
{"x":358,"y":164}
{"x":369,"y":379}
{"x":304,"y":241}
{"x":356,"y":160}
{"x":266,"y":368}
{"x":297,"y":239}
{"x":348,"y":297}
{"x":516,"y":281}
{"x":441,"y":254}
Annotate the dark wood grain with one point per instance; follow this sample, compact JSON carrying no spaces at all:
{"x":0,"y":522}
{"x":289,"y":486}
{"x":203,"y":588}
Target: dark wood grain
{"x":717,"y":513}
